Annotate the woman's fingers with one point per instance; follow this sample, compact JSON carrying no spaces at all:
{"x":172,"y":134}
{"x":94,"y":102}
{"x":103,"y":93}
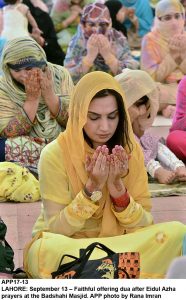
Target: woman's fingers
{"x":119,"y":162}
{"x":88,"y":163}
{"x":102,"y":165}
{"x":32,"y":82}
{"x":101,"y":161}
{"x":120,"y":152}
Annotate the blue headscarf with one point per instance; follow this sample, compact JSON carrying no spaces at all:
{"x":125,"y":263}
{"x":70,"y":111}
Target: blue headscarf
{"x":143,"y":12}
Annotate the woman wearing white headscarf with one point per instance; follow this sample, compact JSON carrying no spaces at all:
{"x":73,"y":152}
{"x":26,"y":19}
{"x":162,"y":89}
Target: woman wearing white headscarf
{"x":163,"y":53}
{"x":142,"y":95}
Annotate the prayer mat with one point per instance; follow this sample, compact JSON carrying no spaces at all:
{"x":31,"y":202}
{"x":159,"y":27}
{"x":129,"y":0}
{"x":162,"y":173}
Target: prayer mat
{"x":165,"y":190}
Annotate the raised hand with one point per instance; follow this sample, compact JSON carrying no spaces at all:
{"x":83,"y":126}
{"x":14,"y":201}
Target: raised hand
{"x":47,"y":91}
{"x":174,"y":48}
{"x":106,"y":51}
{"x":183,"y":45}
{"x":92,"y":47}
{"x":97,"y":168}
{"x":130,"y":12}
{"x":118,"y":168}
{"x":104,"y":46}
{"x":133,"y":18}
{"x":47,"y":86}
{"x":118,"y":163}
{"x":32,"y":85}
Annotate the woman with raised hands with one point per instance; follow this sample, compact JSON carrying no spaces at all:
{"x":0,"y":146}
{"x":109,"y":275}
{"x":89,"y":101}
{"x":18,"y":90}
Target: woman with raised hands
{"x":94,"y":184}
{"x":97,"y":46}
{"x":163,"y":53}
{"x":34,"y":100}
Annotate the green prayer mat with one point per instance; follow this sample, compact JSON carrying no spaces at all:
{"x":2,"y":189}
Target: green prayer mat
{"x":165,"y":190}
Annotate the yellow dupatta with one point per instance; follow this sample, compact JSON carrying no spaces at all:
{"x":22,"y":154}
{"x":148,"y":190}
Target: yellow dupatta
{"x":75,"y":149}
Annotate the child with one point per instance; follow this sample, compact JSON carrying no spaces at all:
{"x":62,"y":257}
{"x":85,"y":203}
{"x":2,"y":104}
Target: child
{"x":15,"y":19}
{"x":142,"y":102}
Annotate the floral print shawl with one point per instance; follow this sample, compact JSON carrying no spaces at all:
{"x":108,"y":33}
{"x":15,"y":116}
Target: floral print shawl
{"x":77,"y":51}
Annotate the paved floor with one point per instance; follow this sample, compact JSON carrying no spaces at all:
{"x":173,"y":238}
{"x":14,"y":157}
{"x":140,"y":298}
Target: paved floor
{"x":20,"y":217}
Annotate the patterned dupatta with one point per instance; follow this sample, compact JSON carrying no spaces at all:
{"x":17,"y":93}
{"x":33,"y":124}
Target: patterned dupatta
{"x":12,"y":96}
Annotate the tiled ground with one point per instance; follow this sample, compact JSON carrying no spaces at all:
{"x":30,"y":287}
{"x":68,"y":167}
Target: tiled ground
{"x":20,"y":217}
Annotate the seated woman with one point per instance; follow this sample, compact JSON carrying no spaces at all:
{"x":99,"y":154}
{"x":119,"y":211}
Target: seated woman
{"x":142,"y":102}
{"x":100,"y":191}
{"x":97,"y":46}
{"x":176,"y":139}
{"x":163,"y":53}
{"x":65,"y":15}
{"x":34,"y":100}
{"x":138,"y":20}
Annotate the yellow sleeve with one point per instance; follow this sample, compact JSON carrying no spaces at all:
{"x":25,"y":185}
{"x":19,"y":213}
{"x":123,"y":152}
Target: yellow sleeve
{"x":137,"y":214}
{"x":133,"y":216}
{"x":63,"y":214}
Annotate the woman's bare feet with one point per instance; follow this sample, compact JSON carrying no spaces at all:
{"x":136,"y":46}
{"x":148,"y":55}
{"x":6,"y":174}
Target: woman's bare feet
{"x":181,"y":173}
{"x":168,"y":111}
{"x":164,"y":176}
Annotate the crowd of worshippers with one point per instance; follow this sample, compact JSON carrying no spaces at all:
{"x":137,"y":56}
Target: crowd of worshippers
{"x":81,"y":83}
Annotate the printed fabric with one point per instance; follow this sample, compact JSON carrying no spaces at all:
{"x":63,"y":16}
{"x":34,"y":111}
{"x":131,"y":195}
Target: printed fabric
{"x":77,"y":51}
{"x":12,"y":97}
{"x":17,"y":184}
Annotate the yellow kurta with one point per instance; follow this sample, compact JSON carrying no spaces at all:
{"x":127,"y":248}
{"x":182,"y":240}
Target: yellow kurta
{"x":74,"y":221}
{"x":71,"y":215}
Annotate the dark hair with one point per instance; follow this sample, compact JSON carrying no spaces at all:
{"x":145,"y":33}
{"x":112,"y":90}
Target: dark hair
{"x":114,"y":6}
{"x":121,"y":136}
{"x":10,"y":1}
{"x":142,"y":101}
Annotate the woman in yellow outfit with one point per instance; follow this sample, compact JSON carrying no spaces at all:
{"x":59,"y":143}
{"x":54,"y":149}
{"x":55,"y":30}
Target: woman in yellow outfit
{"x":94,"y":187}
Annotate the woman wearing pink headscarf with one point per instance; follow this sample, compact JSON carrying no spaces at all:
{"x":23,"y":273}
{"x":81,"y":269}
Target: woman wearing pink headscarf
{"x":163,"y":52}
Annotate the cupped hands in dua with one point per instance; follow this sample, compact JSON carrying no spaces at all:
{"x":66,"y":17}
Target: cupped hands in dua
{"x":39,"y":83}
{"x":107,"y":169}
{"x":98,"y":44}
